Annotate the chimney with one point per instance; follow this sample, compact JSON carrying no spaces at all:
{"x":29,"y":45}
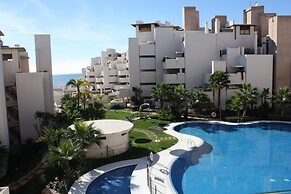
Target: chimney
{"x":190,"y":19}
{"x":206,"y":28}
{"x":217,"y":26}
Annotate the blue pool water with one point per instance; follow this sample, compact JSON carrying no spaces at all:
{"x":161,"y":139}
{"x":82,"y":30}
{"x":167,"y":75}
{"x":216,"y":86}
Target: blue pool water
{"x":115,"y":181}
{"x":251,"y":158}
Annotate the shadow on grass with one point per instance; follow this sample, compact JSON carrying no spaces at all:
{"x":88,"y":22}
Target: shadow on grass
{"x":142,"y":140}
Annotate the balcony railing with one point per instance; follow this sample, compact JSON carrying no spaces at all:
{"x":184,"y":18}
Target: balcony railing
{"x":178,"y":78}
{"x":178,"y":62}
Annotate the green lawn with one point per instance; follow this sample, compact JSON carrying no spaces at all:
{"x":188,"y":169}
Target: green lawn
{"x":117,"y":114}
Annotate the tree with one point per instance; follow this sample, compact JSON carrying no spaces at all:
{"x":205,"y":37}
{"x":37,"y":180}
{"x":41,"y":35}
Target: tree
{"x":199,"y":101}
{"x":248,"y":96}
{"x":78,"y":83}
{"x":86,"y":95}
{"x":264,"y":97}
{"x":137,"y":95}
{"x":84,"y":134}
{"x":179,"y":96}
{"x":160,"y":93}
{"x":283,"y":98}
{"x":235,"y":104}
{"x":217,"y":81}
{"x":93,"y":111}
{"x":63,"y":154}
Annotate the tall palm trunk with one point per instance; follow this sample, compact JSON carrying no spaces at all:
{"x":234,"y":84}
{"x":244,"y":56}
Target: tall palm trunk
{"x":218,"y":98}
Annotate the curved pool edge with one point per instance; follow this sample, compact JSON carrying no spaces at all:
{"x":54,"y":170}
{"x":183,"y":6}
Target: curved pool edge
{"x":81,"y":185}
{"x":199,"y":142}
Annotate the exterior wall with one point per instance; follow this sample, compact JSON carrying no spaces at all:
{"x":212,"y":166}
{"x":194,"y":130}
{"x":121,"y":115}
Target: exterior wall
{"x":4,"y":135}
{"x":44,"y":64}
{"x":222,"y":19}
{"x":30,"y":89}
{"x":114,"y":144}
{"x":190,"y":19}
{"x":133,"y":62}
{"x":280,"y":46}
{"x":259,"y":71}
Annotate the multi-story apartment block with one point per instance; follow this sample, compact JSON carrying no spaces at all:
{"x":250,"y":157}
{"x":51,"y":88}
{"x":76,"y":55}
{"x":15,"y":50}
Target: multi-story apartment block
{"x":24,"y":93}
{"x":109,"y":72}
{"x":274,"y":37}
{"x":163,"y":52}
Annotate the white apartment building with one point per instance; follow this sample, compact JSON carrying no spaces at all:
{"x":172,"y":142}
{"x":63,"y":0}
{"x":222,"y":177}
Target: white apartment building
{"x":163,"y":52}
{"x":108,"y":73}
{"x":23,"y":93}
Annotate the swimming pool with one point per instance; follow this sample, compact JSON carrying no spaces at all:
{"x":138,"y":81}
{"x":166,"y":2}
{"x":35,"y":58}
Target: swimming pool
{"x":245,"y":158}
{"x":114,"y":181}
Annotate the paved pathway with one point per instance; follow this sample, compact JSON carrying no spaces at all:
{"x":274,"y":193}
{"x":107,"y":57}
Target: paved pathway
{"x":26,"y":178}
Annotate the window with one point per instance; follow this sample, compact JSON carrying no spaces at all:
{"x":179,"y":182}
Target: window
{"x":244,"y":30}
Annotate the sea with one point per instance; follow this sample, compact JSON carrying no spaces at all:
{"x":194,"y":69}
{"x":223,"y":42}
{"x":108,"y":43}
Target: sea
{"x":61,"y":80}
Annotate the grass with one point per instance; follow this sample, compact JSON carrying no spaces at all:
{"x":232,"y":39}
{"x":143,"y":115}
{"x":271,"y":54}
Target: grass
{"x":117,"y":114}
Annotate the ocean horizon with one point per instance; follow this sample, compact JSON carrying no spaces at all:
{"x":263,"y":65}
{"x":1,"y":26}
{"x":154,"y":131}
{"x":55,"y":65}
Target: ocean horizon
{"x":60,"y":80}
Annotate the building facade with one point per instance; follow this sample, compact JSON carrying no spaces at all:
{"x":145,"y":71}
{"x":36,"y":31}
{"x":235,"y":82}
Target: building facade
{"x":108,"y":73}
{"x":24,"y":93}
{"x":174,"y":55}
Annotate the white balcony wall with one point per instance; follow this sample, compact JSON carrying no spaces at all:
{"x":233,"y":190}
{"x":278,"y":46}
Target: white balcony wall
{"x":123,"y":80}
{"x":178,"y":78}
{"x":147,"y":63}
{"x":237,"y":78}
{"x":112,"y":79}
{"x":112,"y":72}
{"x":218,"y":66}
{"x":121,"y":66}
{"x":124,"y":72}
{"x":92,"y":80}
{"x":179,"y":62}
{"x":148,"y":77}
{"x":146,"y":49}
{"x":98,"y":80}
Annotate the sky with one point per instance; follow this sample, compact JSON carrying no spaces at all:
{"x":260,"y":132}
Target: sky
{"x":81,"y":29}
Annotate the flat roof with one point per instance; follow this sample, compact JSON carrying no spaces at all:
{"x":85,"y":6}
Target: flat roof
{"x":242,"y":25}
{"x":110,"y":126}
{"x":145,"y":24}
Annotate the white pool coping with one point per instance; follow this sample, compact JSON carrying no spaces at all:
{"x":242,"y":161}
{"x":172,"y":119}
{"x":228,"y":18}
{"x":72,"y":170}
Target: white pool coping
{"x":160,"y":170}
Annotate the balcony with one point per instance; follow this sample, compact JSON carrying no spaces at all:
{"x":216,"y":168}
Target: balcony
{"x":90,"y":79}
{"x":123,"y":80}
{"x":148,"y":77}
{"x":112,"y":72}
{"x":121,"y":66}
{"x":234,"y":78}
{"x":178,"y":78}
{"x":124,"y":72}
{"x":147,"y":49}
{"x":112,"y":79}
{"x":178,"y":62}
{"x":237,"y":78}
{"x":147,"y":63}
{"x":98,"y":80}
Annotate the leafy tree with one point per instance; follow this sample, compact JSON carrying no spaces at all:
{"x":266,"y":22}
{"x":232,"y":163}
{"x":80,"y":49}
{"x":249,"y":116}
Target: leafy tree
{"x":217,"y":81}
{"x":282,"y":97}
{"x":78,"y":83}
{"x":84,"y":134}
{"x":200,"y":101}
{"x":160,"y":93}
{"x":93,"y":111}
{"x":136,"y":99}
{"x":235,"y":104}
{"x":62,"y":155}
{"x":248,"y":96}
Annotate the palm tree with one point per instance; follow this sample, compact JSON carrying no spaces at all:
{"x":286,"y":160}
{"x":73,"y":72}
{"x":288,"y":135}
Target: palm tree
{"x":179,"y":96}
{"x":50,"y":136}
{"x":78,"y":83}
{"x":84,"y":134}
{"x":137,"y":95}
{"x":236,"y":105}
{"x":86,"y":95}
{"x":63,"y":154}
{"x":199,"y":100}
{"x":264,"y":97}
{"x":217,"y":81}
{"x":160,"y":93}
{"x":248,"y":96}
{"x":283,"y":98}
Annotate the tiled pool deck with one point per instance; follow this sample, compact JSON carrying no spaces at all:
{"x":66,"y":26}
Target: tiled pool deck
{"x":159,"y":171}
